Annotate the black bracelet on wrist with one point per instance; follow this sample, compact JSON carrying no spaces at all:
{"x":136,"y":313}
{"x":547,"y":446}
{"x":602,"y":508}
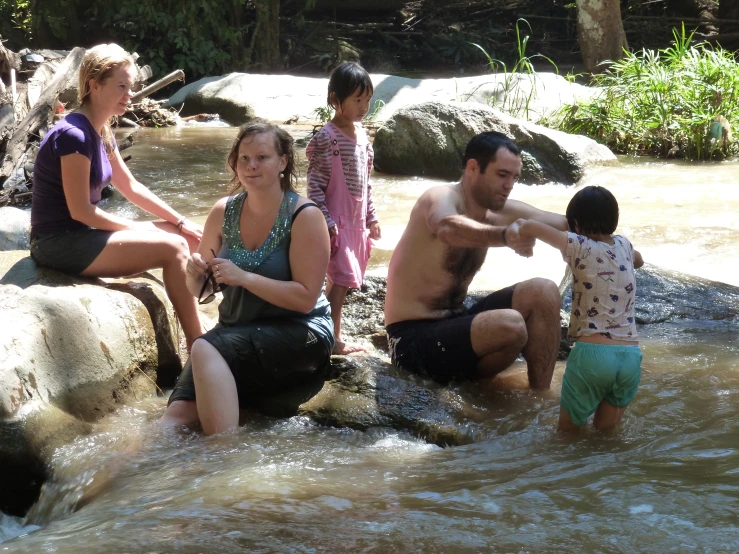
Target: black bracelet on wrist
{"x":505,"y":242}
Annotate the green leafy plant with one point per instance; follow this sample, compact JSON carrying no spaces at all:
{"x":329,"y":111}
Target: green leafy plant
{"x":324,"y":114}
{"x":681,"y":101}
{"x":513,"y":98}
{"x":377,"y":106}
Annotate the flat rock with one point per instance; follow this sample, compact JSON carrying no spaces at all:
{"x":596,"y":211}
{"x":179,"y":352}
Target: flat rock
{"x":237,"y":97}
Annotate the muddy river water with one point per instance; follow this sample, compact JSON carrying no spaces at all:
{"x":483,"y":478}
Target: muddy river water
{"x":667,"y":482}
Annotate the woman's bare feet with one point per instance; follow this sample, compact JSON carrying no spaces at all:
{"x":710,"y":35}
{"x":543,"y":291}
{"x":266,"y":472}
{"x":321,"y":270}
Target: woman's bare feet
{"x":343,"y":348}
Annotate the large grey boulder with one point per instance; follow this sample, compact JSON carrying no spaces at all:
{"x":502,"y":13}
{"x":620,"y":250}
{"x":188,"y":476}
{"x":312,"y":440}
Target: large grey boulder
{"x":429,"y":140}
{"x":238,"y":97}
{"x":15,"y":227}
{"x":71,"y":351}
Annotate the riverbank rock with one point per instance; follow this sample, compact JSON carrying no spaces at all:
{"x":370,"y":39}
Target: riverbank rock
{"x":15,"y":228}
{"x":678,"y":300}
{"x":71,"y":351}
{"x":429,"y":140}
{"x":237,"y":97}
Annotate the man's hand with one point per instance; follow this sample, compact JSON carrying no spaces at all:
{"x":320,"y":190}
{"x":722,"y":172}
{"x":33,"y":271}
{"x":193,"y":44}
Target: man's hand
{"x":517,"y":241}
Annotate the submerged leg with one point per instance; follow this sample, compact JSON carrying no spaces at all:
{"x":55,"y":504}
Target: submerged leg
{"x":217,"y":399}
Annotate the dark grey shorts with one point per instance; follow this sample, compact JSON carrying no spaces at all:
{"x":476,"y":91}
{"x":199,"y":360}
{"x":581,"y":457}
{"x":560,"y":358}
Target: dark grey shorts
{"x":265,"y":357}
{"x":69,"y":251}
{"x":442,"y":348}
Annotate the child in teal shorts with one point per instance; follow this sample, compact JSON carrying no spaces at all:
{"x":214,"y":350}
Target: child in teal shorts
{"x":604,"y":368}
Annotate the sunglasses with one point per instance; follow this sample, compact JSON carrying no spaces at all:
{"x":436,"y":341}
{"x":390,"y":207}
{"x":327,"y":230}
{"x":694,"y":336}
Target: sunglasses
{"x":209,"y":280}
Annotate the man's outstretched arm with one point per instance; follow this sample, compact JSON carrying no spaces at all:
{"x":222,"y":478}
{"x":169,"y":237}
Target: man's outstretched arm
{"x":444,"y":221}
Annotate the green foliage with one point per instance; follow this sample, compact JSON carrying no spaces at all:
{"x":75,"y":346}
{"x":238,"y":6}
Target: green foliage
{"x":515,"y":99}
{"x":15,"y":19}
{"x":324,"y":114}
{"x":378,"y":105}
{"x":194,"y":36}
{"x":679,"y":101}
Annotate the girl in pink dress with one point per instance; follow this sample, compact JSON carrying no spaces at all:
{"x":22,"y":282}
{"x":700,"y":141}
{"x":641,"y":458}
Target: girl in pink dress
{"x":339,"y":164}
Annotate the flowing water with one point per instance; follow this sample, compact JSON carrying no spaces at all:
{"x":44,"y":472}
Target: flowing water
{"x":667,"y":482}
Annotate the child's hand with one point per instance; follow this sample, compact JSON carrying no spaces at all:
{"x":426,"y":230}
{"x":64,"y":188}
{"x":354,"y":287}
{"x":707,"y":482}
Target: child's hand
{"x":375,"y":231}
{"x":517,"y":240}
{"x":333,"y":231}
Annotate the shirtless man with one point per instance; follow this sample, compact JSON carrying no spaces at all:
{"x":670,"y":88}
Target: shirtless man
{"x":445,"y":243}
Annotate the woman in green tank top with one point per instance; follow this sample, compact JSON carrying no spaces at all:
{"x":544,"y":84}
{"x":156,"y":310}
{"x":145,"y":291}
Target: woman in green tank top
{"x":266,"y":248}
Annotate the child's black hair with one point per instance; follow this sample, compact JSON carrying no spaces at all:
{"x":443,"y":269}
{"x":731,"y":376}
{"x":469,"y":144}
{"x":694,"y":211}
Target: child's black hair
{"x":345,"y":80}
{"x":595,"y":210}
{"x":483,"y":148}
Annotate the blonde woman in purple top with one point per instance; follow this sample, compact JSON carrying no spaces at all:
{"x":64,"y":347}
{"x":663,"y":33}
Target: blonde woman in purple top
{"x":604,"y":368}
{"x":76,"y":159}
{"x":339,"y":164}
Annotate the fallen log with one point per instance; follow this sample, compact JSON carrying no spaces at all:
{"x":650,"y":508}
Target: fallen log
{"x":40,"y":80}
{"x":35,"y":123}
{"x":178,"y":75}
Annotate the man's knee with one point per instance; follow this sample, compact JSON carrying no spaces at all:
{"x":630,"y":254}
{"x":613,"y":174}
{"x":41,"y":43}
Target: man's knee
{"x":538,"y":294}
{"x":508,"y":326}
{"x":515,"y":328}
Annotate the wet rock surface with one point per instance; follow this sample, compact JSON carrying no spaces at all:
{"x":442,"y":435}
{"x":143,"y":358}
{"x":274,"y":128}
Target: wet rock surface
{"x":71,"y":351}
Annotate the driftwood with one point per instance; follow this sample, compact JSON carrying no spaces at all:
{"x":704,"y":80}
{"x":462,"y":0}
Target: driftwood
{"x":178,"y":75}
{"x":8,"y":60}
{"x":148,"y":113}
{"x":40,"y":80}
{"x":37,"y":120}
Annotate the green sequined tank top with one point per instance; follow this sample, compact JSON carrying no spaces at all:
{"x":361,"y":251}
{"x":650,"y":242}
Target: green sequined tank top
{"x":271,"y":260}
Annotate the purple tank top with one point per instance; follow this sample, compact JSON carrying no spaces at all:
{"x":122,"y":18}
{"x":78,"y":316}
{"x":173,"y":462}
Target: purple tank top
{"x":72,"y":135}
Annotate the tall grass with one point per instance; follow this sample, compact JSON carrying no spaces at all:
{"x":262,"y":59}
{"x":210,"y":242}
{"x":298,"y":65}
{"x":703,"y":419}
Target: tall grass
{"x":680,"y":101}
{"x":515,"y":99}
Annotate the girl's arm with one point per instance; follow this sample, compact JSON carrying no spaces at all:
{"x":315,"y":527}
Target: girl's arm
{"x":320,"y":163}
{"x":530,"y":228}
{"x":141,"y":196}
{"x":76,"y":185}
{"x":309,"y":254}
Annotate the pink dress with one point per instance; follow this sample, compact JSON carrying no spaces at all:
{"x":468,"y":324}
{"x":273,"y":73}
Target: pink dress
{"x":351,"y":210}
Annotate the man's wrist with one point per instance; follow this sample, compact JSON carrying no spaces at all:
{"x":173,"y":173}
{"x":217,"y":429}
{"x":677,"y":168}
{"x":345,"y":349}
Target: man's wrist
{"x":505,"y":241}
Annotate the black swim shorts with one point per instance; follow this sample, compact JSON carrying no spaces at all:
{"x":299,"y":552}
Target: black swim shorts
{"x":265,"y":357}
{"x":69,"y":251}
{"x":442,"y":348}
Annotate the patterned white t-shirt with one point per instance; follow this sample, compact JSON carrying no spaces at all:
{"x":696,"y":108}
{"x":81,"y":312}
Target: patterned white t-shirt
{"x":603,"y":288}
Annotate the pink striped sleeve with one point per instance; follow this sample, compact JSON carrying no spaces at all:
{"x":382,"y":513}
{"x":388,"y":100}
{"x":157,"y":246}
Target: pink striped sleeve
{"x":320,"y":162}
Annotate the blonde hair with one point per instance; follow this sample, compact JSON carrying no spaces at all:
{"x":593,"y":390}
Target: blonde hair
{"x":97,"y":65}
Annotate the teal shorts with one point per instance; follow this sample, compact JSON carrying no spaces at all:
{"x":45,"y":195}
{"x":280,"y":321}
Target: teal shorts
{"x":598,"y":372}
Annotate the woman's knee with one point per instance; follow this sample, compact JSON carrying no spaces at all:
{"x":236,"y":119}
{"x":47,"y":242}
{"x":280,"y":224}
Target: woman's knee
{"x":177,"y":248}
{"x":201,"y":352}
